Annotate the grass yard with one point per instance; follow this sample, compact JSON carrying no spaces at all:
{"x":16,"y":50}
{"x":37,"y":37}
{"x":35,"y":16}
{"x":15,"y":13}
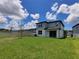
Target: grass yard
{"x":39,"y":48}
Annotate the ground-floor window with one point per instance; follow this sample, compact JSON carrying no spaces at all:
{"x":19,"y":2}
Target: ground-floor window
{"x":40,"y":32}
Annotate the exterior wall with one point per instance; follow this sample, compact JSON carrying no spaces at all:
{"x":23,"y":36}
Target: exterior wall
{"x":60,"y":33}
{"x":44,"y":32}
{"x":54,"y":25}
{"x":43,"y":25}
{"x":76,"y":31}
{"x":48,"y":32}
{"x":57,"y":26}
{"x":51,"y":27}
{"x":75,"y":35}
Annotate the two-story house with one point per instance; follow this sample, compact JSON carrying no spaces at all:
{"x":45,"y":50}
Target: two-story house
{"x":50,"y":29}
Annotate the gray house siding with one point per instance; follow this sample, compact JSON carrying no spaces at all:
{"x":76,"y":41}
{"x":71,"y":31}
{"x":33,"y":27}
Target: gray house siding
{"x":49,"y":29}
{"x":43,"y":32}
{"x":76,"y":30}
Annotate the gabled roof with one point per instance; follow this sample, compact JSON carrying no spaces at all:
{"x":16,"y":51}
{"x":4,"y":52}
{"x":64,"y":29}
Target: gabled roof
{"x":75,"y":25}
{"x":52,"y":22}
{"x":57,"y":21}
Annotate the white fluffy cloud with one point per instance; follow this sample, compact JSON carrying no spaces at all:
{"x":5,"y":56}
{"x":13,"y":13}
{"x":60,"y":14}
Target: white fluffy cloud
{"x":50,"y":16}
{"x":72,"y":19}
{"x":35,"y":16}
{"x":72,"y":10}
{"x":13,"y":24}
{"x":3,"y":19}
{"x":12,"y":9}
{"x":54,"y":7}
{"x":64,"y":8}
{"x":31,"y":24}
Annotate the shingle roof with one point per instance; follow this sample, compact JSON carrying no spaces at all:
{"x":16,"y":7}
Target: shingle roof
{"x":75,"y":25}
{"x":51,"y":22}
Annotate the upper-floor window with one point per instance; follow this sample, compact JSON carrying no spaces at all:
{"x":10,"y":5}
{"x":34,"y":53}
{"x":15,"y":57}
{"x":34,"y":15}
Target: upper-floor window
{"x":39,"y":25}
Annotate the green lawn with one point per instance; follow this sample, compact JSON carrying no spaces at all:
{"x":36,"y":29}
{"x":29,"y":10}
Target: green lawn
{"x":39,"y":48}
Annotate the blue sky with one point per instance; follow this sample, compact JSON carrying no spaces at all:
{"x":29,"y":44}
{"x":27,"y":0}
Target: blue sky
{"x":36,"y":11}
{"x":42,"y":6}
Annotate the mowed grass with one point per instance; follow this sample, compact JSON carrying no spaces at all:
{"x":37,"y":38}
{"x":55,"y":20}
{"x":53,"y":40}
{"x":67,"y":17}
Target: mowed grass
{"x":39,"y":48}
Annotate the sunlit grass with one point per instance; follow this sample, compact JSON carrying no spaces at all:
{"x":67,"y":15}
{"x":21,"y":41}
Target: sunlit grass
{"x":39,"y":48}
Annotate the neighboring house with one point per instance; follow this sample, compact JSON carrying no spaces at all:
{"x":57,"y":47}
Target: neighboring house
{"x":75,"y":30}
{"x":50,"y":29}
{"x":69,"y":33}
